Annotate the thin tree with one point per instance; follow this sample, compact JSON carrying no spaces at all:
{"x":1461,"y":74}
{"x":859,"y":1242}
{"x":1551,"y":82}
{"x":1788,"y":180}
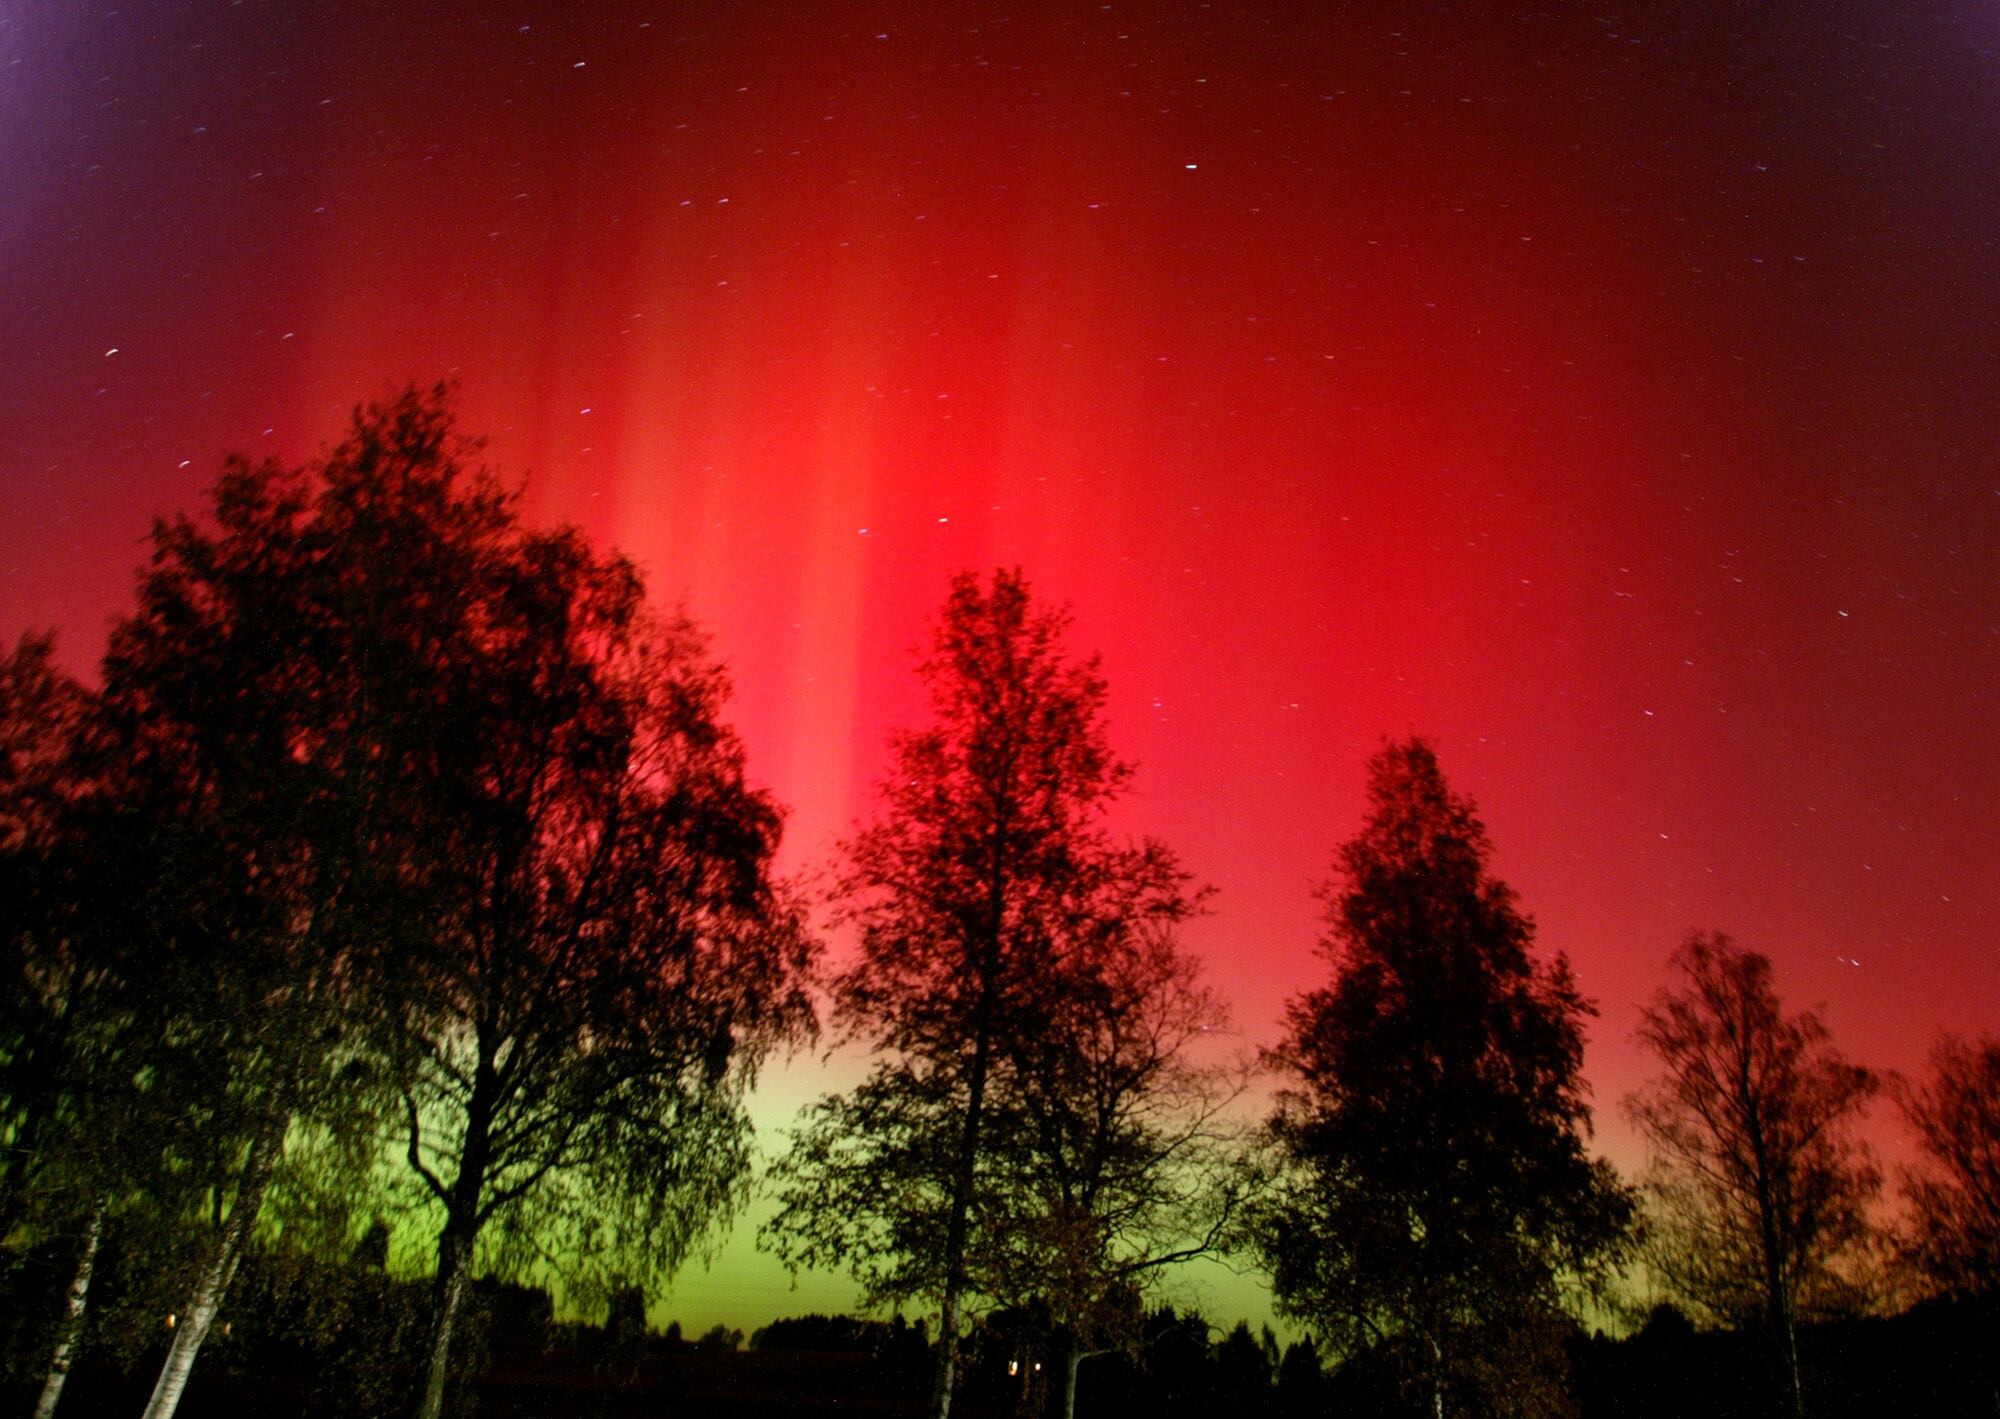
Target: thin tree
{"x":1435,"y":1198}
{"x":577,"y":1042}
{"x":1953,"y":1235}
{"x":1760,"y":1191}
{"x":1121,"y":1157}
{"x":971,"y":894}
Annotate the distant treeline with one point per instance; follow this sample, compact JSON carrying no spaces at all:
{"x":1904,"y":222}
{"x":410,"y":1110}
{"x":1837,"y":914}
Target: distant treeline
{"x":325,"y":1341}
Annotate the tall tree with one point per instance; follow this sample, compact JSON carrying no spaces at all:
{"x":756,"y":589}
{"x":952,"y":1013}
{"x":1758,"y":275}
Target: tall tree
{"x":1954,"y":1191}
{"x":615,"y":958}
{"x":282,"y":683}
{"x":973,"y":893}
{"x":1435,"y":1194}
{"x":1759,"y":1191}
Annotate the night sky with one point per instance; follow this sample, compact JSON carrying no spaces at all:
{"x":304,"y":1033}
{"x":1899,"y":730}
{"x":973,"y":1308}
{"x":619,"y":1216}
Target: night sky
{"x":1613,"y":396}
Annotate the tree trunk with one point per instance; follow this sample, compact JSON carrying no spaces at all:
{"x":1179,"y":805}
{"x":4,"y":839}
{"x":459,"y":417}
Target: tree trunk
{"x":73,"y":1309}
{"x":944,"y":1368}
{"x":1785,"y":1335}
{"x":213,"y":1284}
{"x":1072,"y":1357}
{"x":453,"y":1278}
{"x":944,"y":1371}
{"x":1779,"y":1319}
{"x":461,"y":1233}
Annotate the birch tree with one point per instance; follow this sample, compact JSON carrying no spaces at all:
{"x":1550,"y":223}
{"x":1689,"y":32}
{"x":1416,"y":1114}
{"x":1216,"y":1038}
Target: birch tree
{"x":971,"y":897}
{"x":87,"y":1139}
{"x":577,"y":1043}
{"x":282,"y":672}
{"x":59,"y":1110}
{"x":1760,"y":1191}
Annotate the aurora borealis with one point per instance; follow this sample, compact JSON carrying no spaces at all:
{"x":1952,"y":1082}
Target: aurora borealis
{"x":1607,"y":394}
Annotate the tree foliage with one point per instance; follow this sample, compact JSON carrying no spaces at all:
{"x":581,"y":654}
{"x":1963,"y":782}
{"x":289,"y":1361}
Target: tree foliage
{"x":1436,"y":1197}
{"x":68,"y":1095}
{"x":279,"y":692}
{"x":442,"y":834}
{"x":987,"y":882}
{"x":51,"y":974}
{"x":1760,"y":1192}
{"x":613,"y":957}
{"x":1954,"y":1191}
{"x":105,"y":1094}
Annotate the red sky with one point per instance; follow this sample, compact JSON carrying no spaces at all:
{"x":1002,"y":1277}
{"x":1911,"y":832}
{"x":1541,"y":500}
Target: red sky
{"x":1609,"y":395}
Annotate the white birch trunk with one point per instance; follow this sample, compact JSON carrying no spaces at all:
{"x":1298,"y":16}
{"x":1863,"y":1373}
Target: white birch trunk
{"x":73,"y":1309}
{"x":455,"y":1264}
{"x":945,"y":1373}
{"x":213,"y":1285}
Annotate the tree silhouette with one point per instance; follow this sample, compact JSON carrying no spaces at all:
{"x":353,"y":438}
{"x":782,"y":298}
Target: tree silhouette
{"x":44,"y":717}
{"x":1244,"y":1372}
{"x":62,"y":1107}
{"x":1301,"y":1384}
{"x":1954,"y":1193}
{"x":976,"y":894}
{"x":1759,"y":1191}
{"x":104,"y":1100}
{"x":277,"y":691}
{"x":615,"y":960}
{"x":1115,"y":1156}
{"x":1436,"y":1195}
{"x":473,"y":852}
